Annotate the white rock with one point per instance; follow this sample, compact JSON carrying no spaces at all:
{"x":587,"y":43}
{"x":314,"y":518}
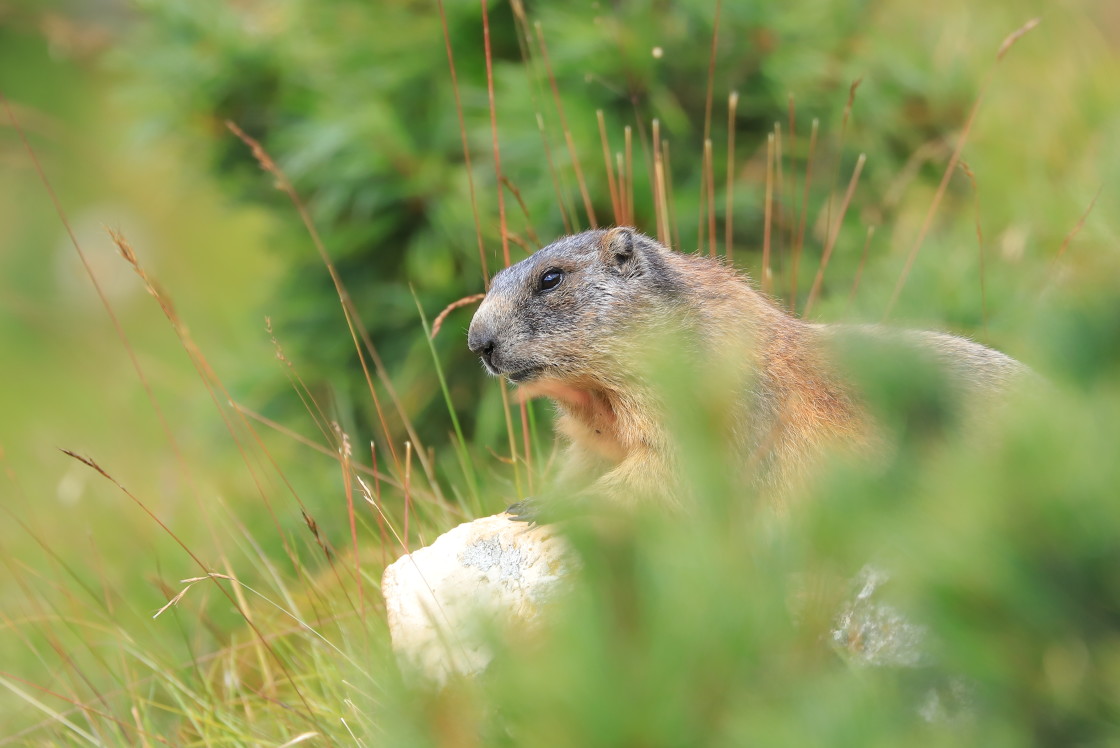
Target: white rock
{"x":872,"y":633}
{"x":490,"y":571}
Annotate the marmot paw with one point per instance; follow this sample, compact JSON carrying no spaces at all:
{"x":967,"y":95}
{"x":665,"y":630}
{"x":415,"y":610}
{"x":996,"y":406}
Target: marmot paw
{"x":526,"y":510}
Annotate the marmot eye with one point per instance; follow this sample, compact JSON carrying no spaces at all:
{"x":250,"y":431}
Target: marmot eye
{"x":551,"y":279}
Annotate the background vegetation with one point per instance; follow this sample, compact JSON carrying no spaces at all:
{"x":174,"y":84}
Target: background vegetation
{"x":1004,"y":546}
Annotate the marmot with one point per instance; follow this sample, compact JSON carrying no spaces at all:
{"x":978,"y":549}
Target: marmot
{"x":571,"y":323}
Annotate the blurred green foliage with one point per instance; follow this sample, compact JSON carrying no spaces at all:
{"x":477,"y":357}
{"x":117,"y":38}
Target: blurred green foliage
{"x":357,"y":108}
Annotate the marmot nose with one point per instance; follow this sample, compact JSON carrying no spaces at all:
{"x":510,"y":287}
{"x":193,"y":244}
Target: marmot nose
{"x":483,"y":345}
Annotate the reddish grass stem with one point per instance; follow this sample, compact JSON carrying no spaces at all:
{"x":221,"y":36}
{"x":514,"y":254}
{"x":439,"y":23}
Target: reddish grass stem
{"x":465,"y":145}
{"x":494,"y":130}
{"x":712,"y":72}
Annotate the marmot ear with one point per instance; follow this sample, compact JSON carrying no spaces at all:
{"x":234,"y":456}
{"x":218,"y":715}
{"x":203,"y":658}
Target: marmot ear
{"x":619,"y":248}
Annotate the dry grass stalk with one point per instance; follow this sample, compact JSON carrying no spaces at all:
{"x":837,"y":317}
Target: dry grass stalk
{"x":211,"y":380}
{"x":437,"y":324}
{"x":834,"y":234}
{"x":702,"y":217}
{"x":566,"y":212}
{"x":527,"y":443}
{"x":407,"y":491}
{"x":952,"y":166}
{"x":629,"y":138}
{"x":612,"y":185}
{"x":332,"y":453}
{"x":768,"y":215}
{"x":379,"y":509}
{"x":659,"y":199}
{"x":512,"y":435}
{"x":494,"y":130}
{"x":1077,"y":228}
{"x":525,"y":40}
{"x":674,"y":226}
{"x":979,"y":242}
{"x":800,"y":243}
{"x":521,"y":243}
{"x":310,"y":404}
{"x":779,"y":192}
{"x":792,"y":198}
{"x":729,"y":196}
{"x":373,"y":499}
{"x":623,"y":188}
{"x":348,"y":309}
{"x":862,"y":261}
{"x":344,"y":453}
{"x":567,"y":131}
{"x":709,"y":180}
{"x":840,"y":146}
{"x":258,"y":649}
{"x":524,"y":210}
{"x":712,"y":72}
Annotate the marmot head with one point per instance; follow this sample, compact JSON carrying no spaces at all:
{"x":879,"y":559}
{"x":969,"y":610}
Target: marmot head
{"x":569,"y":311}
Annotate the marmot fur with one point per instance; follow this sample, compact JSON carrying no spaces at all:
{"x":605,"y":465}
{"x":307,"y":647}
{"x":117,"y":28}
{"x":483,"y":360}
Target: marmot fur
{"x":574,"y":321}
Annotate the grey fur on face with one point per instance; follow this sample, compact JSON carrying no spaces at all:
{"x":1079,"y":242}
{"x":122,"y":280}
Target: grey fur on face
{"x":608,"y":280}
